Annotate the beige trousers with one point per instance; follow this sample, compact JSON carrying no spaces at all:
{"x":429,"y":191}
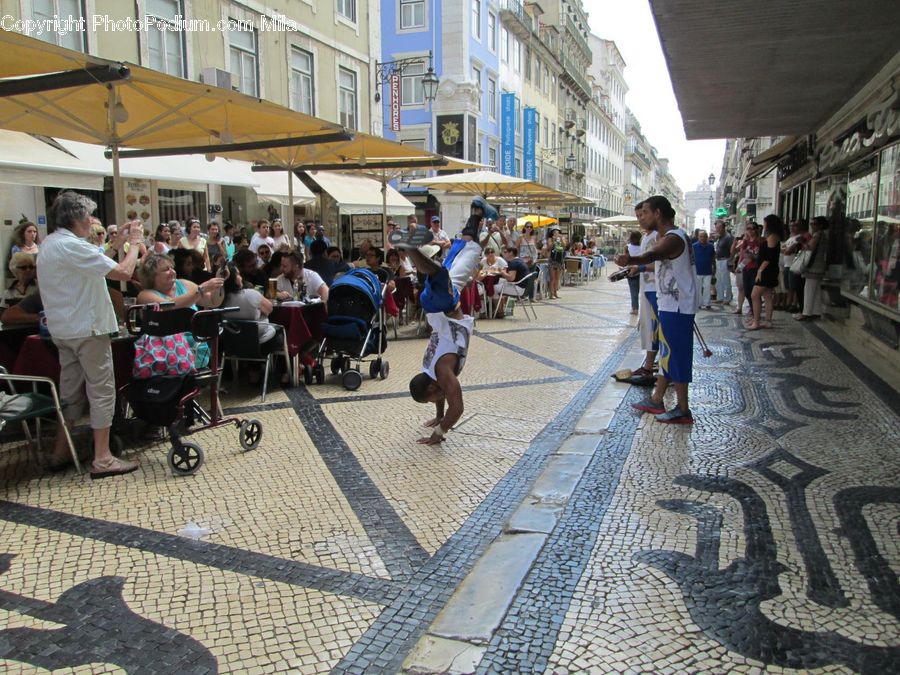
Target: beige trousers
{"x":86,"y":374}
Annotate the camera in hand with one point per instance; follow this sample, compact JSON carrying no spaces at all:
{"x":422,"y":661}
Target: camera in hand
{"x":618,"y":276}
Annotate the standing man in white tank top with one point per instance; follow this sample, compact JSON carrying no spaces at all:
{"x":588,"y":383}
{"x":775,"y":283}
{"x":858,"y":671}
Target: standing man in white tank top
{"x":647,"y":319}
{"x":678,"y":299}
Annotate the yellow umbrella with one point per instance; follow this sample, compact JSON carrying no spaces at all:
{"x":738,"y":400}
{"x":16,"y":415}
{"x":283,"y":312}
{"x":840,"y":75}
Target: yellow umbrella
{"x":535,"y":220}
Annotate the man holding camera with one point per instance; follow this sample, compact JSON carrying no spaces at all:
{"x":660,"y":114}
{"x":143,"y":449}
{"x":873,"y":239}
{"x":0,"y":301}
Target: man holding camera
{"x":678,"y":299}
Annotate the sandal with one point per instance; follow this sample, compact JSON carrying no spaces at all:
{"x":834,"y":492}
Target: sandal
{"x":114,"y":467}
{"x":410,"y":239}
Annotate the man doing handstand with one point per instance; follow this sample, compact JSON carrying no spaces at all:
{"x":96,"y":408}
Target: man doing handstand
{"x":445,"y":355}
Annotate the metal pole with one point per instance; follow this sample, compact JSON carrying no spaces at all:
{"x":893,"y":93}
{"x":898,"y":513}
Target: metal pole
{"x":384,"y":232}
{"x":290,"y":223}
{"x":114,"y":146}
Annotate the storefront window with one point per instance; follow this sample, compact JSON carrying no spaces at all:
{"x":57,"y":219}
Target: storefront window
{"x":830,"y":200}
{"x":181,"y":205}
{"x":855,"y":250}
{"x":886,"y":273}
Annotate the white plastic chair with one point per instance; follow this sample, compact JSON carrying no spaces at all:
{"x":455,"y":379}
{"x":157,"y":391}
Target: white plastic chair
{"x":515,"y":292}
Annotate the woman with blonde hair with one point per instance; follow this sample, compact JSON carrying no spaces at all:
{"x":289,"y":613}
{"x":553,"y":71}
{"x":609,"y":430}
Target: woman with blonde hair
{"x":23,"y":268}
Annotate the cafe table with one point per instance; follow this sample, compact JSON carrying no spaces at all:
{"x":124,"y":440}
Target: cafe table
{"x":39,"y":356}
{"x":302,"y":323}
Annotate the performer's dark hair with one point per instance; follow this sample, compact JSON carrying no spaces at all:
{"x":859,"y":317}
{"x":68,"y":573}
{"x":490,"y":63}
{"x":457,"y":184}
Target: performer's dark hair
{"x":418,"y":387}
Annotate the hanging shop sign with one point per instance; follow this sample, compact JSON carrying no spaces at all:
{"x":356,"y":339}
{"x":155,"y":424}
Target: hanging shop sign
{"x":508,"y":134}
{"x":395,"y":102}
{"x":529,"y":143}
{"x":882,"y":123}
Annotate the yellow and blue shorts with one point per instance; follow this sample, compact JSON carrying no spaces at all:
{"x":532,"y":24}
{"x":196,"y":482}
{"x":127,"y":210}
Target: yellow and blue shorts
{"x":676,"y":346}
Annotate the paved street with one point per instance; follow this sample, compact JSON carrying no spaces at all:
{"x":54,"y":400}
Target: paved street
{"x":556,"y":530}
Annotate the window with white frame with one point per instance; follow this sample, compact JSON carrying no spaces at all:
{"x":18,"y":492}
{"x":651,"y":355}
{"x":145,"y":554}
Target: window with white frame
{"x":303,"y":83}
{"x":347,"y":9}
{"x":476,"y":76}
{"x":492,"y":32}
{"x":164,"y":41}
{"x":244,"y":59}
{"x":517,"y":54}
{"x":479,"y":150}
{"x":528,"y":63}
{"x":412,"y":14}
{"x":492,"y":98}
{"x":347,"y":98}
{"x":504,"y":45}
{"x":476,"y":19}
{"x":492,"y":157}
{"x":44,"y":10}
{"x":411,"y":90}
{"x":547,"y":138}
{"x":412,"y":174}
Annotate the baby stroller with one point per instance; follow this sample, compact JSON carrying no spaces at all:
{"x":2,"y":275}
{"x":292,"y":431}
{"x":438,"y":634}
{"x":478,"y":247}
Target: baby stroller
{"x":172,"y":402}
{"x":355,"y":329}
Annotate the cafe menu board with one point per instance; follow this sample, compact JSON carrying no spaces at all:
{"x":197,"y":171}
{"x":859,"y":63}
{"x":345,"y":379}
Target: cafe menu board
{"x":367,"y":226}
{"x":137,"y":195}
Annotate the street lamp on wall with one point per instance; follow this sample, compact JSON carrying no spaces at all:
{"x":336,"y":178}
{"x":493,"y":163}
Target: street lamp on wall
{"x":712,"y":181}
{"x":385,"y":69}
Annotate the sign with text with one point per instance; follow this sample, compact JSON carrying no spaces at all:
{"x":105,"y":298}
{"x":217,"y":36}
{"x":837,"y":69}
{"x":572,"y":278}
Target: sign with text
{"x":395,"y":102}
{"x":508,"y":134}
{"x":529,"y":141}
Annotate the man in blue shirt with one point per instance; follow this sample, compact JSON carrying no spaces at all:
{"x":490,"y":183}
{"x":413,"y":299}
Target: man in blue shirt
{"x":704,"y":255}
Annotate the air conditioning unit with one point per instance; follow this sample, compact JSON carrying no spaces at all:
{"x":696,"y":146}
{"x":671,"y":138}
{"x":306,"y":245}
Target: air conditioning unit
{"x":217,"y":78}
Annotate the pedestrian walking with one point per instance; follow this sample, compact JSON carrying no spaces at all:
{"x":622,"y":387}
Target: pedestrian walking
{"x":724,"y":240}
{"x":767,"y":274}
{"x":704,"y":254}
{"x":634,"y":283}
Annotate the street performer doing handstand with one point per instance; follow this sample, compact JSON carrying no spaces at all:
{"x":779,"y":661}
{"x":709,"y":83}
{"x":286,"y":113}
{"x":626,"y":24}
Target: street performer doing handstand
{"x":445,"y":355}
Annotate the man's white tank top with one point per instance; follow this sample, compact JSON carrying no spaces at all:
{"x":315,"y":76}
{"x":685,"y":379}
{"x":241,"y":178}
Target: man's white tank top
{"x":677,"y":289}
{"x":448,"y":336}
{"x":648,"y":278}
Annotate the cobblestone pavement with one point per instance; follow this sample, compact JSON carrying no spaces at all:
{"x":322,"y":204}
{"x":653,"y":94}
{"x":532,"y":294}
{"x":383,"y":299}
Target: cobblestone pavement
{"x":556,"y":530}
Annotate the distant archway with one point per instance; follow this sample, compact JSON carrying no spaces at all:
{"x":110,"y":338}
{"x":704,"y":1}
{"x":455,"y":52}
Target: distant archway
{"x":700,"y":220}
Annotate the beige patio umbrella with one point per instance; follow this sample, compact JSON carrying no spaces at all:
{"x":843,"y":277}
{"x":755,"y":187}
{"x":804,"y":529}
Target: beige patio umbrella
{"x":487,"y":184}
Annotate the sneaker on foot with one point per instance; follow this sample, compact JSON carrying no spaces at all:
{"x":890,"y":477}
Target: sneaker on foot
{"x":676,"y":416}
{"x":410,"y":239}
{"x":650,"y":406}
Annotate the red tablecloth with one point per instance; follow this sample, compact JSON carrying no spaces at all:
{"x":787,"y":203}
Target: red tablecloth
{"x":469,"y":300}
{"x":39,"y":357}
{"x":302,"y":323}
{"x":489,"y":282}
{"x":405,"y":292}
{"x":12,"y":337}
{"x":390,"y":305}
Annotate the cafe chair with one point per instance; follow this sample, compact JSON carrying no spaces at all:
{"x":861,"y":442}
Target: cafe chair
{"x":33,"y":405}
{"x":515,"y":292}
{"x":572,"y":272}
{"x":240,"y":342}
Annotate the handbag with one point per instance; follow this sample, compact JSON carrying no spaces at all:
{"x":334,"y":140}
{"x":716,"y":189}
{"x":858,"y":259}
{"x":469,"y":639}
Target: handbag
{"x":170,"y":355}
{"x":802,"y":261}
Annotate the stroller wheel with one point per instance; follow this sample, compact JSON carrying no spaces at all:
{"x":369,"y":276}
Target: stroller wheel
{"x":337,"y":365}
{"x":351,"y":380}
{"x":307,"y":374}
{"x":250,"y":434}
{"x":319,"y":373}
{"x":185,"y":458}
{"x":374,"y":368}
{"x":385,"y":369}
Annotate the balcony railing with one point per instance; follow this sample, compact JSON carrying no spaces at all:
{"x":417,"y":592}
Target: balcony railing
{"x":577,"y":37}
{"x":572,"y":71}
{"x":517,"y":9}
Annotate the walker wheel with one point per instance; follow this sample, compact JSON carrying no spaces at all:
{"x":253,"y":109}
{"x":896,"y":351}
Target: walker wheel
{"x":307,"y":374}
{"x":352,"y":380}
{"x":319,"y":373}
{"x":250,"y":434}
{"x":385,"y":369}
{"x":185,"y":458}
{"x":374,"y":368}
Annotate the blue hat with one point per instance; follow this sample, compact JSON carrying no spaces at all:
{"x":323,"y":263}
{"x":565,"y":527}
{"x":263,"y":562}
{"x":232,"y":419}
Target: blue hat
{"x":435,"y":219}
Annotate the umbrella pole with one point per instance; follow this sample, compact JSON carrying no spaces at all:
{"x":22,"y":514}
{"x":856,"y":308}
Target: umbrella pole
{"x":384,"y":233}
{"x":290,"y":223}
{"x":117,"y":188}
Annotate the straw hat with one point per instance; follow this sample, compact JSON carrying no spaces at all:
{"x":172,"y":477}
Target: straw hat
{"x":430,"y":250}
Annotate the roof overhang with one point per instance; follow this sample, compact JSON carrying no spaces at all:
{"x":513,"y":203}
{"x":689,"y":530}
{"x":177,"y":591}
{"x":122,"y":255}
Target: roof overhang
{"x":746,"y":69}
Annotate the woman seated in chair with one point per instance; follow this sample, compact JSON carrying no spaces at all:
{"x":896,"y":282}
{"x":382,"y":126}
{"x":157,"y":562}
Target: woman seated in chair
{"x":23,"y":268}
{"x":254,"y":307}
{"x":160,"y":284}
{"x":491,"y":265}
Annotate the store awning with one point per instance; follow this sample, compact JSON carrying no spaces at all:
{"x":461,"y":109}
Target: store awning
{"x":273,"y":187}
{"x":356,"y":194}
{"x":26,"y":160}
{"x":750,"y":69}
{"x":181,"y":169}
{"x":768,"y":159}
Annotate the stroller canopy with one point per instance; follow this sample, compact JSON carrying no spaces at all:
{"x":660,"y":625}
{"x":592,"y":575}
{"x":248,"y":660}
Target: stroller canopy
{"x":353,"y":284}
